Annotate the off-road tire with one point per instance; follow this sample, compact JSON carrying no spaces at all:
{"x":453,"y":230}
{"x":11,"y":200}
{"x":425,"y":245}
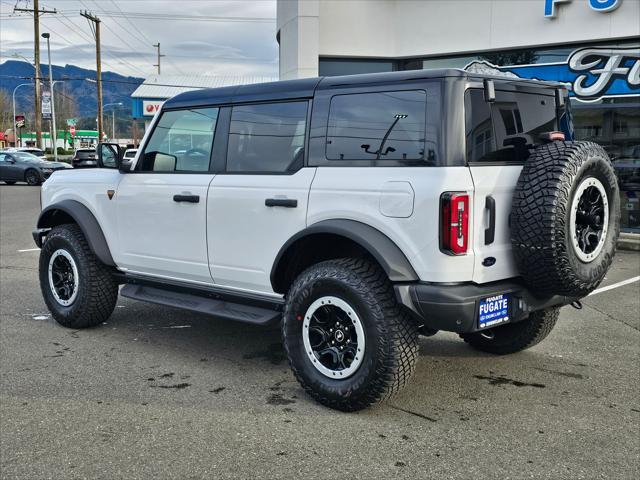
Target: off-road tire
{"x":515,"y":337}
{"x":8,"y":182}
{"x":391,"y":334}
{"x":32,"y":177}
{"x":97,"y":290}
{"x":540,"y":218}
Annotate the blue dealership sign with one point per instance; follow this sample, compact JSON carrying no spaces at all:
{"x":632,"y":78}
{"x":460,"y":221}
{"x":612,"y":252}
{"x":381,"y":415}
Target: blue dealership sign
{"x":602,"y":6}
{"x":589,"y":73}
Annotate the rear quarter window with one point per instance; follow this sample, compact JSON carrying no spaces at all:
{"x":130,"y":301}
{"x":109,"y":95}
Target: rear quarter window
{"x":507,"y":130}
{"x":377,"y":126}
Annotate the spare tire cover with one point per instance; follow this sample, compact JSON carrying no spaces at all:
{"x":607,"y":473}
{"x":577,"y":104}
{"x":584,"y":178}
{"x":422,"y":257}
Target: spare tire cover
{"x":565,"y":218}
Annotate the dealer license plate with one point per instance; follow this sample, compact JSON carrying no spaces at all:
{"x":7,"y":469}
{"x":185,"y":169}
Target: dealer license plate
{"x":493,"y":311}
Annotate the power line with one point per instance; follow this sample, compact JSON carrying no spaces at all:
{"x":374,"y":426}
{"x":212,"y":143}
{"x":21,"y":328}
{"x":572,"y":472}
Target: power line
{"x":171,"y":16}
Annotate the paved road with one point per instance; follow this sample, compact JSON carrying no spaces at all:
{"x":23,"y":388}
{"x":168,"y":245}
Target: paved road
{"x":159,"y":393}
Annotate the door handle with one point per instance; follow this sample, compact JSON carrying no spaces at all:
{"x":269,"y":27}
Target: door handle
{"x":186,"y":198}
{"x":490,"y":231}
{"x":281,"y":202}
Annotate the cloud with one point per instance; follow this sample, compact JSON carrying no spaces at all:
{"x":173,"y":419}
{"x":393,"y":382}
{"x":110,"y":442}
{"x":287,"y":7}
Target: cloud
{"x":191,"y":47}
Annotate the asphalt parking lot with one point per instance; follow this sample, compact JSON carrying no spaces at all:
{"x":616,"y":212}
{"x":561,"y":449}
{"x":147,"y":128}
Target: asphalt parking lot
{"x":160,"y":393}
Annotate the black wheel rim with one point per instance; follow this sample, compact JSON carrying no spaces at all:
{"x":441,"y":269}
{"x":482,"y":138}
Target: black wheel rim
{"x":32,"y":178}
{"x":333,"y":337}
{"x":590,"y":220}
{"x":63,"y":277}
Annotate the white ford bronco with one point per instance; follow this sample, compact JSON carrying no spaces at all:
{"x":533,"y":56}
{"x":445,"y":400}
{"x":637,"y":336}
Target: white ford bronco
{"x":358,"y":211}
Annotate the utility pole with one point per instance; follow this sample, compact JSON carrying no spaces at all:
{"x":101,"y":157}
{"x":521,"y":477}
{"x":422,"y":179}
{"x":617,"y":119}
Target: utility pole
{"x":36,"y":54}
{"x":157,"y":45}
{"x":95,"y":23}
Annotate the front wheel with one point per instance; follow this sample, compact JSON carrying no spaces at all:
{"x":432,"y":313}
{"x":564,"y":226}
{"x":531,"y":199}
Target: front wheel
{"x":79,"y":290}
{"x":32,"y":177}
{"x":349,"y":343}
{"x":515,"y":337}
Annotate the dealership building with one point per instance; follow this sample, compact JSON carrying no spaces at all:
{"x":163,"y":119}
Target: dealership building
{"x":593,"y":46}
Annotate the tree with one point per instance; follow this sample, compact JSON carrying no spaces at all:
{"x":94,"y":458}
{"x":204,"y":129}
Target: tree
{"x":6,"y":111}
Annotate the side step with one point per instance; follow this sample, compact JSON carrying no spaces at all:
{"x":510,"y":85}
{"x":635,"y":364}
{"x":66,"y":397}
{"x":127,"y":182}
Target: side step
{"x":195,"y":303}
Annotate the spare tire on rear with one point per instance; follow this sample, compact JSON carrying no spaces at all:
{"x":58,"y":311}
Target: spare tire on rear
{"x":565,"y":218}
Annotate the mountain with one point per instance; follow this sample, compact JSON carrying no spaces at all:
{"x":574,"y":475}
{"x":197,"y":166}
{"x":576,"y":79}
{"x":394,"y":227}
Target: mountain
{"x":115,"y":87}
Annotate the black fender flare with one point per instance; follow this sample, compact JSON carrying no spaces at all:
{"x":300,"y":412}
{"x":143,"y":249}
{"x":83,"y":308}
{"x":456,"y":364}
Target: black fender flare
{"x":85,"y":220}
{"x":384,"y":250}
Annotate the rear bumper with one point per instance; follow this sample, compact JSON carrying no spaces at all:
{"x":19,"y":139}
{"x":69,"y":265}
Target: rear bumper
{"x":454,"y":308}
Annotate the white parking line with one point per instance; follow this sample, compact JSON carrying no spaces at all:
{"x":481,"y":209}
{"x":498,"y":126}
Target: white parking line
{"x":29,"y":250}
{"x":615,"y":285}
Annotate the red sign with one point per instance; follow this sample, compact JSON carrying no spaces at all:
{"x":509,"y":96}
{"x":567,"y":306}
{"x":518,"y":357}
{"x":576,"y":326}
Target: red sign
{"x":72,"y":130}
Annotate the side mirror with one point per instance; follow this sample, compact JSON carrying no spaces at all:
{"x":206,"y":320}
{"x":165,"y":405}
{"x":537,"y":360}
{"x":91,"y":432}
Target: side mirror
{"x":109,"y":155}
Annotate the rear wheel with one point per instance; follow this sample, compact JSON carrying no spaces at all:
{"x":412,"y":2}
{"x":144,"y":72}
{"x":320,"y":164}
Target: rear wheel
{"x":79,"y":290}
{"x":349,"y":343}
{"x":32,"y":177}
{"x":514,"y":337}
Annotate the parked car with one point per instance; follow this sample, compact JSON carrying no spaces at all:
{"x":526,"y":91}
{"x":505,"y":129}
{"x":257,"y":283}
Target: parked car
{"x":33,"y":151}
{"x":84,"y":157}
{"x":128,"y":156}
{"x":401,"y":204}
{"x":19,"y":166}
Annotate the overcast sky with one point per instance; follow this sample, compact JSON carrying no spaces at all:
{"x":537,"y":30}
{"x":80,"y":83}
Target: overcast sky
{"x":204,"y":45}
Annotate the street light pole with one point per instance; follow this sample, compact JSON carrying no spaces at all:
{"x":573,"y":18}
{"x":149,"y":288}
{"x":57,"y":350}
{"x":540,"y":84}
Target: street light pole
{"x":113,"y":117}
{"x":53,"y":102}
{"x":14,"y":111}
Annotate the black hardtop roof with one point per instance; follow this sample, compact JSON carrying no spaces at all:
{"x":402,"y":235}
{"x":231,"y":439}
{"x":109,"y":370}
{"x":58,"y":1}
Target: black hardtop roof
{"x":306,"y":87}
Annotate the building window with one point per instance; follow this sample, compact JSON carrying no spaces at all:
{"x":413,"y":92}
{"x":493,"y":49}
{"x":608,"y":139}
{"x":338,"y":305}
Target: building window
{"x":267,"y":138}
{"x":377,"y":126}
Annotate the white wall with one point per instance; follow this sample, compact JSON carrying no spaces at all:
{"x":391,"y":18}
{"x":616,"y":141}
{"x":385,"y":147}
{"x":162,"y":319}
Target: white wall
{"x":406,"y":28}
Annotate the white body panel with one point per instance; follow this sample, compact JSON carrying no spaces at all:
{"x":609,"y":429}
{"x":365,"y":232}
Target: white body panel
{"x":158,"y":236}
{"x":359,"y":193}
{"x":499,"y":182}
{"x":89,"y":187}
{"x":244,"y":235}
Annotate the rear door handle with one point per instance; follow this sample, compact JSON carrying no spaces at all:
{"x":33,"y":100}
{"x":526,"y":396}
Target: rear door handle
{"x":186,"y":198}
{"x":281,"y":202}
{"x":490,"y":231}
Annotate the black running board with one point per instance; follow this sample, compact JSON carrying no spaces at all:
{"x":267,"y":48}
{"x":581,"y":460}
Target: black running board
{"x":196,"y":303}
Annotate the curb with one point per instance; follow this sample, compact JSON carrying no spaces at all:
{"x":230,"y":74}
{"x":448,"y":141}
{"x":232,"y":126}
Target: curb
{"x":629,"y":241}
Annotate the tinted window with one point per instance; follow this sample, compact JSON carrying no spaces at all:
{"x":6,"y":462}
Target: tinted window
{"x":181,"y":142}
{"x":383,"y":126}
{"x":267,"y":137}
{"x":509,"y":128}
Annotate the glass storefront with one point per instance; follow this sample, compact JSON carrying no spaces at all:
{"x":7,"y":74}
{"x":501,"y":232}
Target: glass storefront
{"x":606,"y":106}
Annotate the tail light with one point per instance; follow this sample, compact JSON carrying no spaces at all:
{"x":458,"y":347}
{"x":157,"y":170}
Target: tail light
{"x":454,"y":229}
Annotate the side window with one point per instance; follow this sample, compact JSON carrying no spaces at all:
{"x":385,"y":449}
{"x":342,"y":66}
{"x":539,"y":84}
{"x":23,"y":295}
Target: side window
{"x":3,"y":157}
{"x":377,"y":126}
{"x":509,"y":128}
{"x":267,"y":137}
{"x":180,"y":142}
